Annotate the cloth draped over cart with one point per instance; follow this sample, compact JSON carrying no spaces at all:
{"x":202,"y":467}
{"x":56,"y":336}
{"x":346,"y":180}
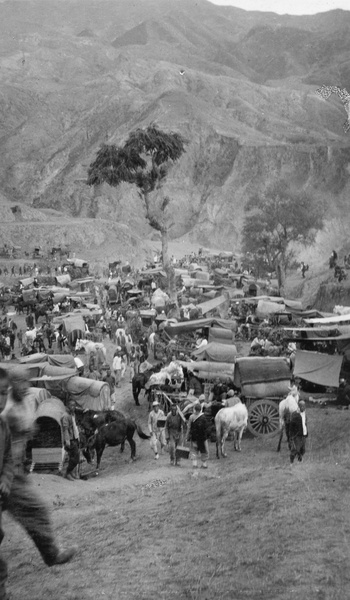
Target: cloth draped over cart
{"x":55,"y":360}
{"x":317,"y":367}
{"x":262,"y":376}
{"x":217,"y":352}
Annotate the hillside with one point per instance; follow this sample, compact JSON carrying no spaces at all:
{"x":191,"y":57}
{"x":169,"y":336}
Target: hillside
{"x":240,"y":86}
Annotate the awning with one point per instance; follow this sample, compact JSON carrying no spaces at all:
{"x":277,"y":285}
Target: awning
{"x":317,"y":367}
{"x":329,"y":320}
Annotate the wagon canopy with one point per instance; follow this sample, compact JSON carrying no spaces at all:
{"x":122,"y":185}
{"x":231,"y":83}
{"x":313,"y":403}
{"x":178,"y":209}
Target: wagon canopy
{"x":187,"y":326}
{"x":318,"y":367}
{"x":221,"y":335}
{"x":73,"y":323}
{"x":55,"y":360}
{"x":210,"y":370}
{"x":262,"y":376}
{"x":217,"y":352}
{"x":89,"y":394}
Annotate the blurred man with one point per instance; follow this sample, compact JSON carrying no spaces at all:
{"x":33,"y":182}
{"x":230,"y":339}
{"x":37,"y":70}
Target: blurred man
{"x":24,"y":505}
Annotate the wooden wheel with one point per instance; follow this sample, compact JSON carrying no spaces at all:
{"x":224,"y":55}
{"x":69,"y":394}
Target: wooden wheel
{"x":263,"y":418}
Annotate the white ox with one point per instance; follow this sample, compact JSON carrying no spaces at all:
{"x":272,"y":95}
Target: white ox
{"x":234,"y":418}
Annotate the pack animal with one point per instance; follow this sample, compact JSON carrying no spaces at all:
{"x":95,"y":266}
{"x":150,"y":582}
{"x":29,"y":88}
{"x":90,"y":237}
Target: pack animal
{"x":234,"y":418}
{"x":108,"y":428}
{"x":90,"y":347}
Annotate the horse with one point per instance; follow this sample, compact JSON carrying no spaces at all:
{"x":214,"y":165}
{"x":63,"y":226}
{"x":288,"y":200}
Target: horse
{"x":234,"y":418}
{"x":108,"y":428}
{"x":91,"y":347}
{"x":285,"y":409}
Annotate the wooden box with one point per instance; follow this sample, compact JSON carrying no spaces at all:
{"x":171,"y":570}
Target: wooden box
{"x":182,"y":452}
{"x":161,"y":423}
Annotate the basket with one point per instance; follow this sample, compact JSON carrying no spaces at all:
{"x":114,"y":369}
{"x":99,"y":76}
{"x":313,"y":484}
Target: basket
{"x":182,"y":452}
{"x":161,"y":423}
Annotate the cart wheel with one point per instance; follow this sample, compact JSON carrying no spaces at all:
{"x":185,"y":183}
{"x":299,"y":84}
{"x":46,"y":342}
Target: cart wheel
{"x":263,"y":418}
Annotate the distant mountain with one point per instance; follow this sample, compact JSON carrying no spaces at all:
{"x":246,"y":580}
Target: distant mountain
{"x":239,"y":85}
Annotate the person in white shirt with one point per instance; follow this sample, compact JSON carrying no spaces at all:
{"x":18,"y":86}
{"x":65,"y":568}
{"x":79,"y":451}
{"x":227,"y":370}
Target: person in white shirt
{"x":117,"y":367}
{"x":79,"y":365}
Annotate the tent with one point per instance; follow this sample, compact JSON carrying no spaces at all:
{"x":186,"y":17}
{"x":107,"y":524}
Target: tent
{"x":317,"y":367}
{"x":217,"y":352}
{"x":262,"y":376}
{"x":89,"y":393}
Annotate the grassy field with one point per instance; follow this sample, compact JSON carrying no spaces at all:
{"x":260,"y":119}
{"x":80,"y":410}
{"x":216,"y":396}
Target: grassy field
{"x":252,"y":526}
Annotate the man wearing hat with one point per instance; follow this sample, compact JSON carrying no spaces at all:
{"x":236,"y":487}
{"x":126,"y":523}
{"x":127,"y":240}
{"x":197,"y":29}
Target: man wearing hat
{"x":156,"y":430}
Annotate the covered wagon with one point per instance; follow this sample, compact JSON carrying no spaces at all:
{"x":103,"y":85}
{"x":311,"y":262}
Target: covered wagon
{"x":89,"y":394}
{"x":47,"y":446}
{"x":263,"y":381}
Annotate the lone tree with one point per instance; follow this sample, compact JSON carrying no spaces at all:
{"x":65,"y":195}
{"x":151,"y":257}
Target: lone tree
{"x":277,"y":219}
{"x":144,"y":160}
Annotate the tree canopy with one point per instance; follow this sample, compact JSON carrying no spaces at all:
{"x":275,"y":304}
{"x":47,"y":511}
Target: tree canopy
{"x":276,"y":219}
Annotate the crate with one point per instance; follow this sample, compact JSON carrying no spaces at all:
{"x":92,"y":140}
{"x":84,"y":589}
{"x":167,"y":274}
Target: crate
{"x":182,"y":452}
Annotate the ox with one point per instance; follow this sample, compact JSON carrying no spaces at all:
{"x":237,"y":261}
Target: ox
{"x":234,"y":418}
{"x":286,"y":408}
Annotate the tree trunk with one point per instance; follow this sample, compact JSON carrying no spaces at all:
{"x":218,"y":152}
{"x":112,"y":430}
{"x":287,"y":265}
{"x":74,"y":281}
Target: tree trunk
{"x":281,"y":275}
{"x":168,"y":267}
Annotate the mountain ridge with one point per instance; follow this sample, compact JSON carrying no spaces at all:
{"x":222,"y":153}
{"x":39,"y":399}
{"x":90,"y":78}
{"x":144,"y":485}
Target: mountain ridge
{"x":239,"y":86}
